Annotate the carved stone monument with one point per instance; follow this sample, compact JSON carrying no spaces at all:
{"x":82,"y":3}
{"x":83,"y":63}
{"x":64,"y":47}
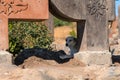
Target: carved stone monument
{"x":92,"y":18}
{"x":95,"y":45}
{"x":19,"y":10}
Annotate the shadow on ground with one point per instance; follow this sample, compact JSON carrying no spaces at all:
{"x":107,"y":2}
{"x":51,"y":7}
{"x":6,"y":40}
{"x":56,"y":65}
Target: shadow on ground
{"x":40,"y":53}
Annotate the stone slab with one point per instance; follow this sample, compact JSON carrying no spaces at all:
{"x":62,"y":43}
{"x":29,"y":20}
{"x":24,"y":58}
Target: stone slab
{"x":3,"y":32}
{"x":111,"y":10}
{"x":5,"y":57}
{"x":70,"y":10}
{"x":50,"y":24}
{"x":27,"y":9}
{"x":94,"y":57}
{"x":81,"y":36}
{"x":96,"y":30}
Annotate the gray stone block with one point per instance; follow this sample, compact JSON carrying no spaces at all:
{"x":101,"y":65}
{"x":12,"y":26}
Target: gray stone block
{"x":70,"y":10}
{"x":94,"y":57}
{"x":5,"y":57}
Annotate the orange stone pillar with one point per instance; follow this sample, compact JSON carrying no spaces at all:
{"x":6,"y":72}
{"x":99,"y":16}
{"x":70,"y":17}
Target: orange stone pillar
{"x":22,"y":10}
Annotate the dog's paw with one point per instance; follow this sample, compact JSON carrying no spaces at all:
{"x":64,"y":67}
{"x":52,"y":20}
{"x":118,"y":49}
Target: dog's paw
{"x":65,"y":56}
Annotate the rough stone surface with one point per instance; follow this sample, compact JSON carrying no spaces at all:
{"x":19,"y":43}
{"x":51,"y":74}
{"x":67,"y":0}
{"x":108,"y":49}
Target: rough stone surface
{"x":81,"y":36}
{"x":76,"y":10}
{"x":71,"y":10}
{"x":33,"y":9}
{"x":111,"y":10}
{"x":96,"y":30}
{"x":36,"y":68}
{"x":53,"y":72}
{"x":50,"y":24}
{"x":3,"y":32}
{"x":94,"y":57}
{"x":5,"y":57}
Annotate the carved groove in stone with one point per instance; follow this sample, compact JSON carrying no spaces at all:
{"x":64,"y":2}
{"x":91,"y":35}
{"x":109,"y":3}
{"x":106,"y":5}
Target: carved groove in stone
{"x":96,"y":8}
{"x":12,"y":6}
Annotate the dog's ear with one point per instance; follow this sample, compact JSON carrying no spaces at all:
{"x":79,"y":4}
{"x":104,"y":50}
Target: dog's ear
{"x":75,"y":39}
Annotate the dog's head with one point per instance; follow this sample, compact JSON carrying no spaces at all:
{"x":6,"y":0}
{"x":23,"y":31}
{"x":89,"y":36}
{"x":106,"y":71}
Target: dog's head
{"x":70,"y":41}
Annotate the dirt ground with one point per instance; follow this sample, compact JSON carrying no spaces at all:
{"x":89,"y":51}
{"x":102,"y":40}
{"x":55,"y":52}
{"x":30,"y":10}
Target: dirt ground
{"x":38,"y":64}
{"x":35,"y":68}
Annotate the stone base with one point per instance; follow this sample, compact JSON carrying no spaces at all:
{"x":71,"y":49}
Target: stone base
{"x":94,"y":57}
{"x":5,"y":57}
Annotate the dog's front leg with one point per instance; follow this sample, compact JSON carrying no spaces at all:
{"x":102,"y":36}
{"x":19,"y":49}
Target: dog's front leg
{"x":70,"y":55}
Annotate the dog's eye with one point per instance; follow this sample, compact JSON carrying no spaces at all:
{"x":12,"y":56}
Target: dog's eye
{"x":70,"y":40}
{"x":66,"y":40}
